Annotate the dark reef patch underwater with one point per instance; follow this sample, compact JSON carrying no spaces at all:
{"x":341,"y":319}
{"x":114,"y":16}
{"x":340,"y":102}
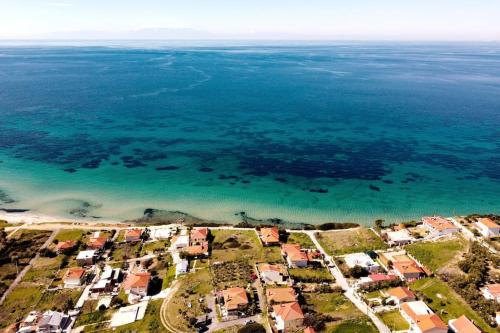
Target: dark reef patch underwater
{"x":322,"y":131}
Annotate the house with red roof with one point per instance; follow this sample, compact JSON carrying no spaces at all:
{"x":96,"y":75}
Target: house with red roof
{"x":97,"y":243}
{"x":280,"y":295}
{"x":273,"y":273}
{"x":200,"y":250}
{"x":492,"y":291}
{"x":288,"y":317}
{"x":133,"y":235}
{"x":421,"y":318}
{"x":463,"y":325}
{"x":487,"y":227}
{"x":235,"y":300}
{"x":294,"y":255}
{"x":65,"y":246}
{"x":74,"y":277}
{"x":198,"y":236}
{"x":269,"y":236}
{"x":409,"y":270}
{"x":137,"y":284}
{"x":439,"y":226}
{"x":401,"y":294}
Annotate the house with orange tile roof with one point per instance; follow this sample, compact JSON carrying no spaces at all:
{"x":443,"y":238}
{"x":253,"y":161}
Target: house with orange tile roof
{"x":137,"y":284}
{"x":421,"y":318}
{"x":65,"y":246}
{"x":198,"y":235}
{"x":492,"y":291}
{"x":408,"y":270}
{"x":280,"y":295}
{"x":200,"y":250}
{"x":309,"y":329}
{"x":97,"y":243}
{"x":487,"y":227}
{"x":463,"y":325}
{"x":295,"y":257}
{"x":133,"y":235}
{"x":269,"y":236}
{"x":401,"y":294}
{"x":288,"y":317}
{"x":74,"y":277}
{"x":235,"y":300}
{"x":439,"y":226}
{"x":273,"y":273}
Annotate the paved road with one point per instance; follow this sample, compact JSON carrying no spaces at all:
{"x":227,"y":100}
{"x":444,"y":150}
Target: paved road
{"x":27,"y":268}
{"x":241,"y":321}
{"x":350,"y":293}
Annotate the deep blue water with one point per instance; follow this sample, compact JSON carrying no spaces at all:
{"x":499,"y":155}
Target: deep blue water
{"x":311,"y":132}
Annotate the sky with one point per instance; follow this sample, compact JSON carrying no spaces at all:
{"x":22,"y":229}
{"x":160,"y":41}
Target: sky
{"x":474,"y":20}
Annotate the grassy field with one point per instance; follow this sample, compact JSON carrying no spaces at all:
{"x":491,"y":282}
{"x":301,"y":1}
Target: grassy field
{"x":350,"y":241}
{"x":300,"y":238}
{"x":446,"y":302}
{"x":231,"y":245}
{"x":310,"y":275}
{"x":149,"y":324}
{"x":152,"y":247}
{"x":362,"y":324}
{"x":70,"y":234}
{"x":192,"y":287}
{"x":437,"y":255}
{"x":394,"y":320}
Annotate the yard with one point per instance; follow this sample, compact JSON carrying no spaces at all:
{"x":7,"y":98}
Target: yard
{"x":437,"y":255}
{"x":149,"y":324}
{"x":300,"y":238}
{"x":185,"y":304}
{"x":232,"y":274}
{"x":350,"y":241}
{"x":394,"y":320}
{"x":444,"y":301}
{"x":310,"y":274}
{"x":362,"y":324}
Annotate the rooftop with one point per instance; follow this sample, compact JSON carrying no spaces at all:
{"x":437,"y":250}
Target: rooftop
{"x":439,"y":223}
{"x":234,"y":297}
{"x":463,"y":325}
{"x":270,"y":235}
{"x":136,"y":280}
{"x":487,"y":222}
{"x":281,"y":295}
{"x":288,"y":311}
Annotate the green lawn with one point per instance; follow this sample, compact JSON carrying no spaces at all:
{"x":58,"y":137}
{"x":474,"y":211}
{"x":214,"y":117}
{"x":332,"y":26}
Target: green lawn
{"x":70,"y":234}
{"x":350,"y":241}
{"x":446,"y":302}
{"x":300,"y":238}
{"x":362,"y":324}
{"x":436,"y":255}
{"x":310,"y":275}
{"x":394,"y":320}
{"x":335,"y":304}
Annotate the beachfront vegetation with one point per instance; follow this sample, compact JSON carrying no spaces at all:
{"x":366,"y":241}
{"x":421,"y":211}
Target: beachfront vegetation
{"x":300,"y":238}
{"x":350,"y":241}
{"x":437,"y":255}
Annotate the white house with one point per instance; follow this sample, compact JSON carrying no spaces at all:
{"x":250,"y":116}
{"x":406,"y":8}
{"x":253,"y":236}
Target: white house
{"x":182,"y":267}
{"x":181,"y":242}
{"x":86,"y":258}
{"x":363,"y":260}
{"x":273,"y":273}
{"x":400,"y":237}
{"x":492,"y":291}
{"x":487,"y":227}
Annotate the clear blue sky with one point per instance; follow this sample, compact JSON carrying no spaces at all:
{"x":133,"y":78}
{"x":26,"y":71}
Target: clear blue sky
{"x":334,"y":19}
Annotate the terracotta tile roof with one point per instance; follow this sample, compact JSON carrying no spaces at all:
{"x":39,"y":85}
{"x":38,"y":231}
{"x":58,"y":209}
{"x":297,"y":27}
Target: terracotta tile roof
{"x":234,"y":297}
{"x":439,"y":223}
{"x":74,"y":273}
{"x":133,"y":233}
{"x":136,"y":280}
{"x":272,"y":267}
{"x":427,"y":323}
{"x":270,"y":235}
{"x":401,"y":293}
{"x":463,"y":325}
{"x":423,"y":317}
{"x":293,"y":252}
{"x":309,"y":330}
{"x":288,"y":311}
{"x":198,"y":249}
{"x":199,"y":233}
{"x":382,"y":277}
{"x":65,"y":245}
{"x":97,"y":242}
{"x":487,"y":222}
{"x":494,"y":289}
{"x":280,"y":295}
{"x":407,"y":267}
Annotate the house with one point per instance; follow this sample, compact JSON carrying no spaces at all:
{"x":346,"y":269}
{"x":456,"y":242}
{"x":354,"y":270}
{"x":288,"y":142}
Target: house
{"x":421,"y":318}
{"x":398,"y":238}
{"x":288,"y":317}
{"x":133,"y":235}
{"x":269,"y":236}
{"x":86,"y":258}
{"x":295,"y":257}
{"x":97,"y":243}
{"x":137,"y":284}
{"x":375,"y":278}
{"x":363,"y":260}
{"x":408,"y":270}
{"x":30,"y":323}
{"x":497,"y":318}
{"x":401,"y":295}
{"x":128,"y":314}
{"x":492,"y":291}
{"x":65,"y":246}
{"x":487,"y":227}
{"x":273,"y":274}
{"x":198,"y":236}
{"x":180,"y":242}
{"x":439,"y":226}
{"x":182,"y":267}
{"x":235,"y":300}
{"x":463,"y":325}
{"x":198,"y":250}
{"x":108,"y":280}
{"x":53,"y":321}
{"x":74,"y":277}
{"x":309,"y":329}
{"x":280,"y":295}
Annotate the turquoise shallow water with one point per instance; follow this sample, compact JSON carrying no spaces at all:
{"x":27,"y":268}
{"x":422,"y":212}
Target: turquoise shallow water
{"x":309,"y":133}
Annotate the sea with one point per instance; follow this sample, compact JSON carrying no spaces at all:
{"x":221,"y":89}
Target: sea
{"x":304,"y":132}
